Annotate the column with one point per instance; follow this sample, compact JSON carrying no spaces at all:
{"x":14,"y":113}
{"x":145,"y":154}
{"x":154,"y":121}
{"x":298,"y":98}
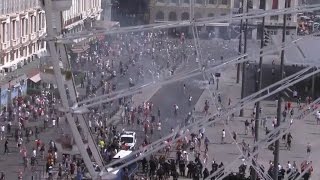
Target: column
{"x":6,"y":32}
{"x":216,"y":32}
{"x":2,"y":32}
{"x":18,"y":28}
{"x":254,"y":34}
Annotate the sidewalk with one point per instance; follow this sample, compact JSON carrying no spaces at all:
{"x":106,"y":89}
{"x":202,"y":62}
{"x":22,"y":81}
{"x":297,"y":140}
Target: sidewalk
{"x":303,"y":131}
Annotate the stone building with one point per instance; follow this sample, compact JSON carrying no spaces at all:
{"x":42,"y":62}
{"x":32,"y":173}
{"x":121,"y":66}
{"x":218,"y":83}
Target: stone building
{"x":175,"y":10}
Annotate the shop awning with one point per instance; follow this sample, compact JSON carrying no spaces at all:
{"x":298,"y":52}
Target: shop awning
{"x":36,"y":78}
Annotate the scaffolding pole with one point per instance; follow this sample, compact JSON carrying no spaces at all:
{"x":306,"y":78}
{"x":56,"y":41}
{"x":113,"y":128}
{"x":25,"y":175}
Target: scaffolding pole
{"x":279,"y":109}
{"x":258,"y":87}
{"x":62,"y":91}
{"x":240,"y":43}
{"x":243,"y":81}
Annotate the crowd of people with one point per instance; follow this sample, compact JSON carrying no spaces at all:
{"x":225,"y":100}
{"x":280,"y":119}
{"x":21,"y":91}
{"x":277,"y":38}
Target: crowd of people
{"x":308,"y":23}
{"x":119,"y":63}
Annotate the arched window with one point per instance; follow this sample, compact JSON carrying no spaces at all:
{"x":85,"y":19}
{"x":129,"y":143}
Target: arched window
{"x":172,"y":16}
{"x":224,"y":2}
{"x":197,"y":15}
{"x":160,"y":15}
{"x":185,"y":16}
{"x":212,"y":1}
{"x":210,"y":15}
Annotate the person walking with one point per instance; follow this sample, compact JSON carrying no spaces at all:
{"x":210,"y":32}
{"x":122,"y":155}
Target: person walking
{"x":234,"y":137}
{"x":246,"y":127}
{"x":308,"y":148}
{"x":6,"y":149}
{"x":2,"y":132}
{"x":223,"y":136}
{"x":206,"y":143}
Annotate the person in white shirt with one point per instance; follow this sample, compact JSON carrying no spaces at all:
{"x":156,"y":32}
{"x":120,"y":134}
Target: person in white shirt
{"x":90,"y":125}
{"x":53,"y":122}
{"x":34,"y":152}
{"x":289,"y":167}
{"x":223,"y":135}
{"x":2,"y":129}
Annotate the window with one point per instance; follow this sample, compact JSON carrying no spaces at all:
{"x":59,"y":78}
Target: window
{"x":12,"y":56}
{"x":32,"y":19}
{"x":34,"y":24}
{"x":199,"y":2}
{"x":187,"y":1}
{"x":224,"y":2}
{"x":21,"y":51}
{"x":185,"y":16}
{"x":1,"y":60}
{"x":172,"y":16}
{"x":173,"y":1}
{"x":160,"y":15}
{"x":289,"y":3}
{"x":275,"y":4}
{"x":27,"y":27}
{"x":274,"y":18}
{"x":210,"y":15}
{"x":23,"y":27}
{"x":40,"y":19}
{"x":42,"y":44}
{"x":13,"y":32}
{"x":126,"y":139}
{"x":288,"y":17}
{"x":3,"y":30}
{"x":287,"y":32}
{"x":212,"y":2}
{"x":262,"y":4}
{"x":198,"y":15}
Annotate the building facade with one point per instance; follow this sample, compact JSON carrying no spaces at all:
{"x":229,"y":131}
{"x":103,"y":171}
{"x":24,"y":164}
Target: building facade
{"x":82,"y":14}
{"x":22,"y":30}
{"x":22,"y":24}
{"x":175,"y":10}
{"x":274,"y":24}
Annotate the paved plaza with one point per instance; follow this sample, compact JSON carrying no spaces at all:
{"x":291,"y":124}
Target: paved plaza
{"x":164,"y":98}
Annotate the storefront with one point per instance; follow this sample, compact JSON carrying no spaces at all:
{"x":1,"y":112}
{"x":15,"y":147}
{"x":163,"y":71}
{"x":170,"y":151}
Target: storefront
{"x":13,"y":88}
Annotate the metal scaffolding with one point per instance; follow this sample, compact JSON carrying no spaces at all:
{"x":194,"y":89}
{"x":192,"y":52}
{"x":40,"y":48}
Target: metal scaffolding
{"x":173,"y":24}
{"x":55,"y":42}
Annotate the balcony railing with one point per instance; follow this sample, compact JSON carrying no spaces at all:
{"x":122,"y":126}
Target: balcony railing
{"x":15,"y":42}
{"x":5,"y":45}
{"x":24,"y":39}
{"x":33,"y":36}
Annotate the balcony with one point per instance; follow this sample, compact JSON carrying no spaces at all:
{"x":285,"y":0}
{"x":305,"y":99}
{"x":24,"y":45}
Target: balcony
{"x":15,"y":42}
{"x":33,"y":36}
{"x":24,"y":39}
{"x":40,"y":33}
{"x":5,"y":45}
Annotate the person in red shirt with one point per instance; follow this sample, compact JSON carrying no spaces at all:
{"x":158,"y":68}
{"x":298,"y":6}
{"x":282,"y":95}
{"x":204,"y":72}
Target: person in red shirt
{"x":289,"y":105}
